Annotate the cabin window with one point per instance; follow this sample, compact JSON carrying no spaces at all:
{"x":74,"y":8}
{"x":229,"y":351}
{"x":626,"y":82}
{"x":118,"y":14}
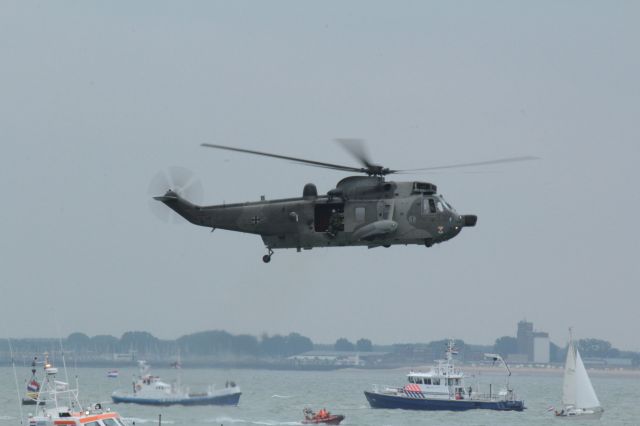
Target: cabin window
{"x":435,"y":382}
{"x":410,"y":379}
{"x":439,"y":206}
{"x":427,"y":381}
{"x":92,"y":424}
{"x":110,"y":422}
{"x":359,"y":214}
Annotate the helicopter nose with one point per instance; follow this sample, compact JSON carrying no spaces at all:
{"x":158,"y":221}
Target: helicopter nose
{"x":469,"y":219}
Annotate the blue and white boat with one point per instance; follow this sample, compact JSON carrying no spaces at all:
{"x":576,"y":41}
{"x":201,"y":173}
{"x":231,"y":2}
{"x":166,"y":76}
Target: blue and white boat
{"x":443,"y":388}
{"x":150,"y":390}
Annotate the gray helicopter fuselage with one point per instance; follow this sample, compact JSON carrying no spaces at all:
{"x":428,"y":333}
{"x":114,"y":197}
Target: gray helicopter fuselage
{"x":360,"y":211}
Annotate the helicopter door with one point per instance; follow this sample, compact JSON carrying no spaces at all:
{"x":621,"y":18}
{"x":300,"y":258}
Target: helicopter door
{"x":325,"y":213}
{"x":385,"y":210}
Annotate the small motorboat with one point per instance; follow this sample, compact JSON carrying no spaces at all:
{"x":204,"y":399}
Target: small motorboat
{"x":321,"y":417}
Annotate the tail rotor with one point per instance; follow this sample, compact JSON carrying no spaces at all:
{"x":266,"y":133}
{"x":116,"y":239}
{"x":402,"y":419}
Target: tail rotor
{"x":179,"y":180}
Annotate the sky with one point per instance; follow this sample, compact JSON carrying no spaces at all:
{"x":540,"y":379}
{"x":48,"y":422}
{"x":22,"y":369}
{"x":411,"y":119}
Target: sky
{"x":96,"y":98}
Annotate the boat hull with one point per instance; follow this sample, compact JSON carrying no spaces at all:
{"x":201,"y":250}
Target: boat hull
{"x":331,"y":420}
{"x":380,"y":400}
{"x":581,"y":414}
{"x":229,"y":399}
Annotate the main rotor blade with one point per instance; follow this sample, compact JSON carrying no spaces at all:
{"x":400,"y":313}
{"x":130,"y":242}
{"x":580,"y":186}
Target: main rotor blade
{"x":479,"y":163}
{"x":356,"y":148}
{"x":284,"y":157}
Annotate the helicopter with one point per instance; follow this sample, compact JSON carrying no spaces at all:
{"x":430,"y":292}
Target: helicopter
{"x":364,"y":210}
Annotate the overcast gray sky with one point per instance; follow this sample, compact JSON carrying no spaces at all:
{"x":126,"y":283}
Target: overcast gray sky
{"x":97,"y":97}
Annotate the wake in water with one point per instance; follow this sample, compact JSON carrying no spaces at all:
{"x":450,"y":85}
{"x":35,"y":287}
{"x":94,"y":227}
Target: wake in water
{"x":281,"y":396}
{"x":131,"y":420}
{"x":229,"y":420}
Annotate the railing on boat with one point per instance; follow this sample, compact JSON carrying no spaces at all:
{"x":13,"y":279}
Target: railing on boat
{"x":386,"y":388}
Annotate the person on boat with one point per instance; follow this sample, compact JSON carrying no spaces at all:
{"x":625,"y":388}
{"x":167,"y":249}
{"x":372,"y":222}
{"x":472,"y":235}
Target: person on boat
{"x":308,"y":414}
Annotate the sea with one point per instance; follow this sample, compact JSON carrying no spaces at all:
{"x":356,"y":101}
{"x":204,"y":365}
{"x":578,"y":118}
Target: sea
{"x":278,"y":397}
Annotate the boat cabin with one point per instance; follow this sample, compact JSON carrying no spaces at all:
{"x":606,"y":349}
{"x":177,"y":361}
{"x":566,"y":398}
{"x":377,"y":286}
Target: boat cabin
{"x":442,"y":380}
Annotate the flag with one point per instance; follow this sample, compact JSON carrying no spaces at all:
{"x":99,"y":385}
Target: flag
{"x":33,"y":386}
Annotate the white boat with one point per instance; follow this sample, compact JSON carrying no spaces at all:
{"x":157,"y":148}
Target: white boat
{"x":150,"y":390}
{"x":579,"y":400}
{"x":58,"y":404}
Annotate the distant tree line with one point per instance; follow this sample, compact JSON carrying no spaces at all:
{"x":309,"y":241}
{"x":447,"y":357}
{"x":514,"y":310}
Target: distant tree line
{"x":214,"y":343}
{"x":362,"y":345}
{"x":222,"y":345}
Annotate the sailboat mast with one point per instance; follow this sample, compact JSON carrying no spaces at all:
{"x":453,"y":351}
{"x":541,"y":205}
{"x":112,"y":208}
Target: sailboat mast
{"x":569,"y":384}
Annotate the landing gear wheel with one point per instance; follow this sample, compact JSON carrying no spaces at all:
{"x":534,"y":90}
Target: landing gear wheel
{"x":267,"y":257}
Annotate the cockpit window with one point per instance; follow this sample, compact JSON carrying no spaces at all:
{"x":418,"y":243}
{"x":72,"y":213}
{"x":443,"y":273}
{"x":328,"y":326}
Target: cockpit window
{"x":447,"y":206}
{"x":432,"y":205}
{"x":428,"y":205}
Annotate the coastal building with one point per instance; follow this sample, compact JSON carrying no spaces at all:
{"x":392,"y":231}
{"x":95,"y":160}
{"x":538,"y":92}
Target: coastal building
{"x":524,"y":338}
{"x":533,"y":346}
{"x":541,"y":348}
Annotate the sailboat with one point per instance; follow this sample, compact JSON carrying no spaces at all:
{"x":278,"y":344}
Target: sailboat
{"x":578,"y":397}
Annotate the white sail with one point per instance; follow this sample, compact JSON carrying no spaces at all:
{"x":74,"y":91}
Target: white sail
{"x":585,"y":395}
{"x":569,"y":384}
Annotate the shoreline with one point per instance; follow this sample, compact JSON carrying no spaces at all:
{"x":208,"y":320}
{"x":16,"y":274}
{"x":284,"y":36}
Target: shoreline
{"x":469,"y":369}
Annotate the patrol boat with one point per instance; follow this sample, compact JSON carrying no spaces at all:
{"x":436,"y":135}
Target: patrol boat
{"x":150,"y":390}
{"x":443,"y":388}
{"x":58,"y":404}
